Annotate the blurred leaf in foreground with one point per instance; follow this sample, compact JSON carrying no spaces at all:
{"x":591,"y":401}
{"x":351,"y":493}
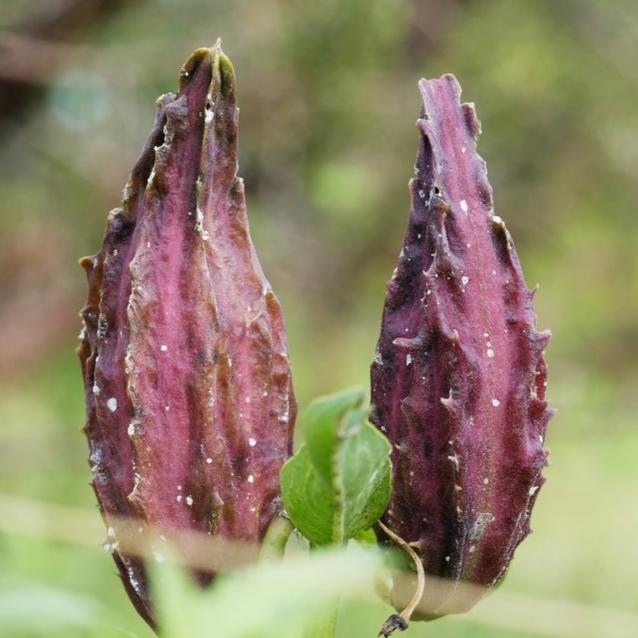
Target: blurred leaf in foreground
{"x":338,"y":484}
{"x":265,"y":600}
{"x":58,"y":611}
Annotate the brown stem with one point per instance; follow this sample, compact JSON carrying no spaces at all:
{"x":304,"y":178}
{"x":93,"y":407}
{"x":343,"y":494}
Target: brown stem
{"x":401,"y":620}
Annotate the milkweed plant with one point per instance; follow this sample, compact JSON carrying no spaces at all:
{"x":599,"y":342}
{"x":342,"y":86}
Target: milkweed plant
{"x":425,"y":492}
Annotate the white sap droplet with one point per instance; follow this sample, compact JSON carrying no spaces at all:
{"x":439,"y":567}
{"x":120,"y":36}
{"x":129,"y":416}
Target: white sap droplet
{"x":131,"y":429}
{"x":209,"y":460}
{"x":422,"y":194}
{"x":472,"y":549}
{"x":497,"y":220}
{"x":189,"y":500}
{"x":447,"y":559}
{"x":251,"y":478}
{"x":167,"y":408}
{"x":96,"y":389}
{"x":463,"y":205}
{"x":178,"y":498}
{"x":164,"y":348}
{"x":252,"y":442}
{"x":111,"y":404}
{"x":209,"y":116}
{"x":496,"y":403}
{"x":486,"y":481}
{"x":408,"y":359}
{"x":533,"y":490}
{"x":110,"y":532}
{"x":465,"y":280}
{"x":490,"y":354}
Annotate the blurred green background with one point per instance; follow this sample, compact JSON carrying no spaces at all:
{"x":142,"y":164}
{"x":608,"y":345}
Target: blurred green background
{"x":329,"y":101}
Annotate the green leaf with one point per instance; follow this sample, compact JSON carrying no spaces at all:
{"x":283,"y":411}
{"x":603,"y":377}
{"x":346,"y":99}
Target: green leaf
{"x":338,"y":484}
{"x":265,"y":600}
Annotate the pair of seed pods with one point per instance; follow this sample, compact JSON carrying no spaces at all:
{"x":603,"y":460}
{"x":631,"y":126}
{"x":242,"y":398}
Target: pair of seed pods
{"x":190,"y":407}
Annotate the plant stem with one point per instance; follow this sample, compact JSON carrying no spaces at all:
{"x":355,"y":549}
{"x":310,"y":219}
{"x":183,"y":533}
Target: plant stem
{"x":277,"y":535}
{"x":400,"y":621}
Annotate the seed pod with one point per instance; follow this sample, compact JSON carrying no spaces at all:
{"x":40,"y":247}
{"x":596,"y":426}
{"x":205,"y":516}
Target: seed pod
{"x":458,"y":378}
{"x":184,"y":354}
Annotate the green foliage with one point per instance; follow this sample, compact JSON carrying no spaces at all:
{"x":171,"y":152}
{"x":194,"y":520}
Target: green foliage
{"x":338,"y":484}
{"x":29,"y":609}
{"x":57,"y":610}
{"x":268,"y":600}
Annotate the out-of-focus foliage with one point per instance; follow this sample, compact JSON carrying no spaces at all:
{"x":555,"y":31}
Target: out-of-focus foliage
{"x":328,"y":103}
{"x":270,"y":600}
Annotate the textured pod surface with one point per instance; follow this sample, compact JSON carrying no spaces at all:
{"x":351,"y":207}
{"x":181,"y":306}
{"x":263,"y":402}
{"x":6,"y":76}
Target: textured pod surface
{"x":190,"y":409}
{"x":458,"y":378}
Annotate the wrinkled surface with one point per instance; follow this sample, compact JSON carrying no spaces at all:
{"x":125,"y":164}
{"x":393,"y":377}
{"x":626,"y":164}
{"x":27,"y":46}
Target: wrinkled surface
{"x":190,"y":409}
{"x":458,"y":379}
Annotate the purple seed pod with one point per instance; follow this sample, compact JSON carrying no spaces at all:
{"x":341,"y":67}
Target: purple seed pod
{"x":184,"y":352}
{"x":458,"y":378}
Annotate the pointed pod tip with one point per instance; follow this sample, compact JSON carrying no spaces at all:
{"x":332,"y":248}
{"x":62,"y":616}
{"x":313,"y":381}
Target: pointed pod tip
{"x":449,"y":79}
{"x":88,"y":263}
{"x":223,"y":72}
{"x":202,"y":55}
{"x":195,"y":58}
{"x":226,"y":67}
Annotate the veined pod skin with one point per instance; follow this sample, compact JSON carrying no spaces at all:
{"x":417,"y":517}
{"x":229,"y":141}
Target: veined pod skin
{"x":190,"y":407}
{"x":458,"y":377}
